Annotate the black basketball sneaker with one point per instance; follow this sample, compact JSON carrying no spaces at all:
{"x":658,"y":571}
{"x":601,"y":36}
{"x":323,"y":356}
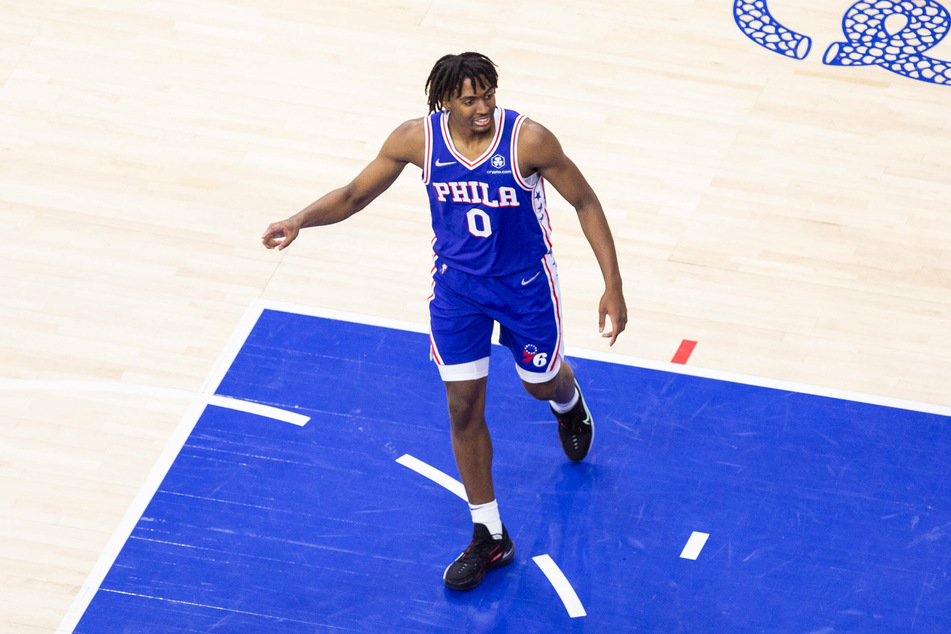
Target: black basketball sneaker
{"x":483,"y":554}
{"x":576,"y":429}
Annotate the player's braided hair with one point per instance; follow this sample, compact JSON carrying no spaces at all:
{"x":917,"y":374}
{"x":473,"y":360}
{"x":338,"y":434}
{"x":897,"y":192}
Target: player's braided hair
{"x":451,"y":71}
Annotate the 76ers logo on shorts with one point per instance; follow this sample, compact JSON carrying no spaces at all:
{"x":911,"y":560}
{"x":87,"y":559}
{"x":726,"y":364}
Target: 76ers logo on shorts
{"x":531,"y":356}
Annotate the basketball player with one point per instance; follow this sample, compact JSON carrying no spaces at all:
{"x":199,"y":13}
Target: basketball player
{"x":485,"y":168}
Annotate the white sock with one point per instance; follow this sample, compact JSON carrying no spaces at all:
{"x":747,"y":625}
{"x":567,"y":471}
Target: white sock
{"x":566,"y":407}
{"x":488,"y":515}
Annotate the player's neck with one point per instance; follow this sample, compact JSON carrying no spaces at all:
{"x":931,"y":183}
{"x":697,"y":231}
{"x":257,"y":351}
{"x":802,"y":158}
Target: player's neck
{"x":471,"y":143}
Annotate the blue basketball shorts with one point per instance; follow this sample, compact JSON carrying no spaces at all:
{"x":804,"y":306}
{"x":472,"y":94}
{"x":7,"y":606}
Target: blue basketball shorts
{"x":527,"y":306}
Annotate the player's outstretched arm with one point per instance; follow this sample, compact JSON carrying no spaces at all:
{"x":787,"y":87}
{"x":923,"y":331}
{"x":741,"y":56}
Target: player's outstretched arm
{"x":404,"y":145}
{"x":542,"y":151}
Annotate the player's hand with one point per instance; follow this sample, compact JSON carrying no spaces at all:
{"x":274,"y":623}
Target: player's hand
{"x":613,"y":308}
{"x":280,"y":234}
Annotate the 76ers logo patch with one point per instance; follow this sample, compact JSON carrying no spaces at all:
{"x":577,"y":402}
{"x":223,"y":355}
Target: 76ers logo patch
{"x":531,"y":356}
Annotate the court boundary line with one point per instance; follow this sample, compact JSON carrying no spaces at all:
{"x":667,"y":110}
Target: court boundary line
{"x":637,"y":362}
{"x":159,"y":470}
{"x":133,"y":389}
{"x":243,"y":330}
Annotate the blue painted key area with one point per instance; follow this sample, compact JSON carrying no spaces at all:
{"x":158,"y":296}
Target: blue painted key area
{"x":824,"y":515}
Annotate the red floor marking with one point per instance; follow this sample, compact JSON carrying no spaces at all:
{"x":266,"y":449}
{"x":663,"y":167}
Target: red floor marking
{"x":684,"y":351}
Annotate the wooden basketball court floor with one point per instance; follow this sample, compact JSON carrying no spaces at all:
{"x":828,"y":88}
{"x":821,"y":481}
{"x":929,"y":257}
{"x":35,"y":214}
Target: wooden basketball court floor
{"x":787,"y":215}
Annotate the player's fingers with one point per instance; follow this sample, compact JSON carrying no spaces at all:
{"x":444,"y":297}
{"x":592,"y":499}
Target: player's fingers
{"x":611,"y":334}
{"x":268,"y":237}
{"x":618,"y":323}
{"x":277,"y":235}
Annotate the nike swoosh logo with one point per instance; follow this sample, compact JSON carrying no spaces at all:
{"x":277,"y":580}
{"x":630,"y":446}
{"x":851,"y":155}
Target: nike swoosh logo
{"x":441,"y":164}
{"x":530,"y":280}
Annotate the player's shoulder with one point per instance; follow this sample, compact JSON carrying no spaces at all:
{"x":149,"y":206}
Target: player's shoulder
{"x":413,"y":129}
{"x":534,"y":129}
{"x":535,"y":139}
{"x":407,"y":141}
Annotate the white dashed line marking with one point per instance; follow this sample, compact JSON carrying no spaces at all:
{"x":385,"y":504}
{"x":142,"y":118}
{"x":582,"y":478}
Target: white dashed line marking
{"x":434,"y":474}
{"x":561,"y":585}
{"x":694,"y":545}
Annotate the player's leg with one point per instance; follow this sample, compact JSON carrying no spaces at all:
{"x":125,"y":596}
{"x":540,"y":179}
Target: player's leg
{"x":461,"y":345}
{"x":460,"y":337}
{"x":532,"y":330}
{"x":491,"y":546}
{"x":471,"y":442}
{"x":559,"y":389}
{"x":575,"y":424}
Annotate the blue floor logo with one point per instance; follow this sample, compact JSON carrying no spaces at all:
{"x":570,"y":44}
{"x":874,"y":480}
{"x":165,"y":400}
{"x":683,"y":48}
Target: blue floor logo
{"x":891,"y":34}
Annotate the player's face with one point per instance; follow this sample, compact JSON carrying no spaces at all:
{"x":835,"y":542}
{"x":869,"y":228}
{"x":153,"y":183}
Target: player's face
{"x":473,"y":108}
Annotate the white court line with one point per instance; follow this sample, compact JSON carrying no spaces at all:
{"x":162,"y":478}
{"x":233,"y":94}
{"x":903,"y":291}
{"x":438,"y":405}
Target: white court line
{"x":694,"y":545}
{"x":227,"y":402}
{"x":433,"y":474}
{"x":240,"y":335}
{"x":757,"y":381}
{"x":547,"y":565}
{"x":259,"y":409}
{"x":647,"y":364}
{"x":561,"y":585}
{"x":100,"y":386}
{"x":159,"y":471}
{"x":557,"y":579}
{"x":339,"y":315}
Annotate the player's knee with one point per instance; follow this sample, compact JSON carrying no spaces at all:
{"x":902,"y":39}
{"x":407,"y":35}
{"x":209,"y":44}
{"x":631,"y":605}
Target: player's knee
{"x":465,"y":418}
{"x":466,"y":402}
{"x":542,"y":391}
{"x":558,"y":388}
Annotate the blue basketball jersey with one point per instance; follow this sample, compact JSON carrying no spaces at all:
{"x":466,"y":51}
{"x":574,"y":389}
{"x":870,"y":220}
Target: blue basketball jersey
{"x":488,"y":218}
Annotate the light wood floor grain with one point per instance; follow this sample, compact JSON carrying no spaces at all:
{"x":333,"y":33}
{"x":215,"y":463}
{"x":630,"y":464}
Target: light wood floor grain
{"x":792,"y":218}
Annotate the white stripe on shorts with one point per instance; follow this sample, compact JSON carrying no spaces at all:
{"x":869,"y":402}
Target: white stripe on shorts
{"x":464,"y":371}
